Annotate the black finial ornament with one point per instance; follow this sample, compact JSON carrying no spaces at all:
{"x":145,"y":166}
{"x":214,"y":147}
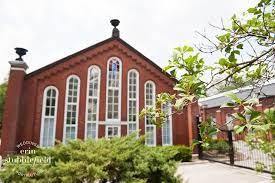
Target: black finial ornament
{"x":115,"y":23}
{"x":20,"y":52}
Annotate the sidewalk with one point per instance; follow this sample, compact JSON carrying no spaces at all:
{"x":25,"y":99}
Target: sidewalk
{"x":210,"y":172}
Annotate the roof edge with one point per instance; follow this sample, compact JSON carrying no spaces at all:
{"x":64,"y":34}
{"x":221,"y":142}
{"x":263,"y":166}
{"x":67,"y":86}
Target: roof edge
{"x":33,"y":73}
{"x":236,"y":91}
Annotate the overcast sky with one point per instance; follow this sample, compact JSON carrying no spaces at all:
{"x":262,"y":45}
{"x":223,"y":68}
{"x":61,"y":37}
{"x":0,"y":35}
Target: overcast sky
{"x":53,"y":29}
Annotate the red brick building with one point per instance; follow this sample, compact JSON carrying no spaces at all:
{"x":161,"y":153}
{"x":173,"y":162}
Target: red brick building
{"x":94,"y":93}
{"x":210,"y":107}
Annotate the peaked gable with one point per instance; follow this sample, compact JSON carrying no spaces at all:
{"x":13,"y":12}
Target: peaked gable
{"x":93,"y":47}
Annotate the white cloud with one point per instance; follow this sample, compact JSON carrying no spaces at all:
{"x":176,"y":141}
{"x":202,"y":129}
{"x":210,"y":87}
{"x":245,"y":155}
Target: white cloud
{"x":52,"y":29}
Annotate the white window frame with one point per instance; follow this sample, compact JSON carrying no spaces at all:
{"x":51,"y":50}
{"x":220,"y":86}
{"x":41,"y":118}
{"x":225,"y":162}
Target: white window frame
{"x":112,"y":126}
{"x":136,"y":99}
{"x":43,"y":114}
{"x":88,"y":97}
{"x":66,"y":106}
{"x":153,"y":98}
{"x":114,"y":121}
{"x":170,"y":126}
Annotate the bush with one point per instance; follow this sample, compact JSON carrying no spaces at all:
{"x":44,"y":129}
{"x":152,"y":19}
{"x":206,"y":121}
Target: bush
{"x":181,"y":153}
{"x":124,"y":159}
{"x":220,"y":145}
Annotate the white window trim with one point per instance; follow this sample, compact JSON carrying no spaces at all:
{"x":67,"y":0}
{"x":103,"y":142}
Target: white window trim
{"x":43,"y":113}
{"x":106,"y":130}
{"x":119,"y":96}
{"x":87,"y":100}
{"x":77,"y":107}
{"x":137,"y":100}
{"x":154,"y":98}
{"x":171,"y":128}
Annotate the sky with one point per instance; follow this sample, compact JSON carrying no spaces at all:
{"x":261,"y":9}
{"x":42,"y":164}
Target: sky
{"x":53,"y":29}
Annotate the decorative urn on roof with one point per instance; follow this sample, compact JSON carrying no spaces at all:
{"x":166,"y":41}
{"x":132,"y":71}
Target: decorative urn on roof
{"x":20,"y":52}
{"x":115,"y":23}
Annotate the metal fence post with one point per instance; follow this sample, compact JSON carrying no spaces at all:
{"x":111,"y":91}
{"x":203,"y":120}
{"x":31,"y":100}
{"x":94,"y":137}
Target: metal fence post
{"x":199,"y":136}
{"x":231,"y":148}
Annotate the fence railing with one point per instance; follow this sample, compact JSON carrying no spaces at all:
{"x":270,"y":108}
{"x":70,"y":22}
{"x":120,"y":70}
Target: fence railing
{"x":230,"y":150}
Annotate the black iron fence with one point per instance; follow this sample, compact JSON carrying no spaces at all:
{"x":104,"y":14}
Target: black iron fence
{"x":232,"y":149}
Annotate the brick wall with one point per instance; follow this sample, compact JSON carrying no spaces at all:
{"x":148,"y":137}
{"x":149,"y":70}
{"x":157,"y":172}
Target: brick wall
{"x":33,"y":86}
{"x":220,"y":113}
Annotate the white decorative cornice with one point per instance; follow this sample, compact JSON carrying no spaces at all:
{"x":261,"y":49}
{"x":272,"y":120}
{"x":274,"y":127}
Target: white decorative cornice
{"x":19,"y":64}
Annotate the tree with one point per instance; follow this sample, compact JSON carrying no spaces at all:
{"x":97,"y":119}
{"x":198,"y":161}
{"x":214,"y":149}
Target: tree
{"x":224,"y":86}
{"x":247,"y":46}
{"x":248,"y":49}
{"x":255,"y":31}
{"x":3,"y":90}
{"x":259,"y":125}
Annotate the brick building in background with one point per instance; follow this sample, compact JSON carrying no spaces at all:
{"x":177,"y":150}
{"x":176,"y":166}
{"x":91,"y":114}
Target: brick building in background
{"x":210,"y":106}
{"x":94,"y":93}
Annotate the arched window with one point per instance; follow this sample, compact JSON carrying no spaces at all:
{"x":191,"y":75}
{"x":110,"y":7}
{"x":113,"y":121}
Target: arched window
{"x":71,"y":108}
{"x":150,"y":128}
{"x":48,"y":119}
{"x":167,"y":125}
{"x":113,"y":90}
{"x":133,"y":86}
{"x":92,"y":102}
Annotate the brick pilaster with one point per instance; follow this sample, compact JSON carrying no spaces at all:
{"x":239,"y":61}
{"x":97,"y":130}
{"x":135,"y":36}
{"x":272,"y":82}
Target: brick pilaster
{"x":12,"y":107}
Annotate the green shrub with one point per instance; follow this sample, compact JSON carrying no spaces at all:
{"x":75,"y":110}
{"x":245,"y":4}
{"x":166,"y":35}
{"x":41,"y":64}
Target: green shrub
{"x":180,"y":153}
{"x":124,"y":159}
{"x":220,"y":145}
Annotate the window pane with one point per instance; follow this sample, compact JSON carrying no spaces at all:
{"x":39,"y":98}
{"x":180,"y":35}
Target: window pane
{"x":132,"y":101}
{"x":47,"y":111}
{"x":48,"y":119}
{"x":52,"y":111}
{"x":115,"y":116}
{"x":71,"y":112}
{"x":48,"y":102}
{"x":113,"y":89}
{"x":110,"y":132}
{"x":166,"y":128}
{"x":149,"y":102}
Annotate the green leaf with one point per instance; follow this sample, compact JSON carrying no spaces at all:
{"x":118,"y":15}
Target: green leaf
{"x":232,"y":57}
{"x":234,"y":97}
{"x":236,"y":52}
{"x":239,"y":129}
{"x":173,"y":73}
{"x":252,"y":10}
{"x":179,"y":104}
{"x":229,"y":104}
{"x":223,"y":61}
{"x":261,"y":127}
{"x":240,"y":46}
{"x":239,"y":116}
{"x":166,"y":68}
{"x":248,"y":109}
{"x":227,"y":49}
{"x":255,"y":115}
{"x":252,"y":101}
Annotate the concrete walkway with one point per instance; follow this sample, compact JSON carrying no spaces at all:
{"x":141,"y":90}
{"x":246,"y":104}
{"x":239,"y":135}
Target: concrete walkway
{"x":209,"y":172}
